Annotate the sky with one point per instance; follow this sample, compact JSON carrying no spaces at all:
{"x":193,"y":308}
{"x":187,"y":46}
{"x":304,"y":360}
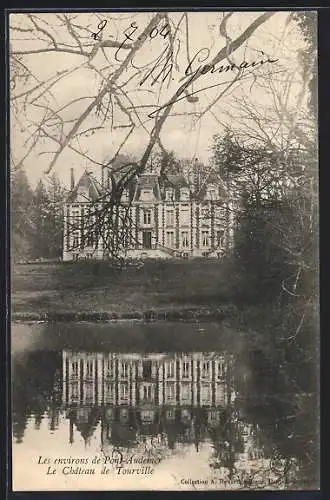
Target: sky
{"x":81,"y":79}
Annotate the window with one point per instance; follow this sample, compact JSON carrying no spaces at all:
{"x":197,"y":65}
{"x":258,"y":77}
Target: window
{"x":146,"y":195}
{"x":185,"y":415}
{"x":89,"y":368}
{"x":170,"y":217}
{"x":147,"y":415}
{"x":147,"y":217}
{"x":170,"y":414}
{"x":91,"y":238}
{"x":75,"y":390}
{"x":212,"y":194}
{"x":75,"y":242}
{"x":170,"y":238}
{"x":205,"y":238}
{"x":185,"y":392}
{"x":123,"y":391}
{"x":220,"y":234}
{"x":89,"y":392}
{"x":75,"y":217}
{"x":184,"y":239}
{"x":219,"y":213}
{"x":109,"y":391}
{"x":205,"y":212}
{"x":170,"y":392}
{"x":124,"y":415}
{"x":109,"y":368}
{"x":205,"y":369}
{"x":213,"y":416}
{"x":169,"y":195}
{"x":185,"y":369}
{"x":126,"y":235}
{"x":184,"y":194}
{"x":185,"y":255}
{"x":125,"y":195}
{"x":124,"y":370}
{"x":75,"y":368}
{"x":220,"y":369}
{"x":147,"y":392}
{"x":184,"y":216}
{"x":206,"y":392}
{"x":170,"y":369}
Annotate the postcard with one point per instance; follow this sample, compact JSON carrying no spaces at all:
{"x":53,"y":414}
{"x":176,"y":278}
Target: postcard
{"x":164,"y":250}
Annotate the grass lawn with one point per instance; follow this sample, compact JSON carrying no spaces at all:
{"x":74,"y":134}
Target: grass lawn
{"x":97,"y":287}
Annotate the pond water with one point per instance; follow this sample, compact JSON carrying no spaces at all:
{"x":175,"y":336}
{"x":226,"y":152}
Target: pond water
{"x":142,"y":406}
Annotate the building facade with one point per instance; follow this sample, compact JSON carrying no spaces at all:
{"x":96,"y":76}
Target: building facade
{"x":195,"y":379}
{"x":145,"y":394}
{"x":158,"y":399}
{"x":156,"y":217}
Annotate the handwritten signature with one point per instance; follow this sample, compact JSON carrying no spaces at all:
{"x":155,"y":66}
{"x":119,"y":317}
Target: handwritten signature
{"x":163,"y":67}
{"x":198,"y":66}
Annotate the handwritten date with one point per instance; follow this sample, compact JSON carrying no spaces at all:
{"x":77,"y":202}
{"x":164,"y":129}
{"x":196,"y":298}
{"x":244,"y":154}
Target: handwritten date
{"x":129,"y":33}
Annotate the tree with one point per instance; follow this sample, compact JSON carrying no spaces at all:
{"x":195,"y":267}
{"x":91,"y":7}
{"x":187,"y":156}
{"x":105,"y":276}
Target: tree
{"x":277,"y":240}
{"x":167,"y":163}
{"x":307,"y":22}
{"x":22,"y":228}
{"x":40,"y":216}
{"x":56,"y":196}
{"x":48,"y":219}
{"x":270,"y":150}
{"x":137,"y":74}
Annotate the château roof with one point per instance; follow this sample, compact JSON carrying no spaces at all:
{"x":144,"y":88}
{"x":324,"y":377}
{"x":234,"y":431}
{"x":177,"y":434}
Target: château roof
{"x":90,"y":189}
{"x":213,"y":179}
{"x":86,"y":425}
{"x":175,"y":181}
{"x":87,"y":187}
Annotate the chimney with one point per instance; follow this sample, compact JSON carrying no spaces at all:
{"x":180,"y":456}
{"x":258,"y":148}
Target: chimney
{"x":102,"y":176}
{"x":108,"y":179}
{"x":72,"y":178}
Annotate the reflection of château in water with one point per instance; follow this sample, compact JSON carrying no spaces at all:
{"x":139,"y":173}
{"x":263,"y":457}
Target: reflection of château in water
{"x":136,"y":393}
{"x":156,"y":379}
{"x":162,"y":401}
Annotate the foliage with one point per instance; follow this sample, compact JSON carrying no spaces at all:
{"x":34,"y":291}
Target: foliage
{"x":36,"y":218}
{"x":48,"y":219}
{"x":167,"y":163}
{"x":22,"y":228}
{"x":306,"y":21}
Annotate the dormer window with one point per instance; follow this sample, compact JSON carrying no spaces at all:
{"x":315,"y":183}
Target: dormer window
{"x":146,"y":194}
{"x":169,"y":194}
{"x":184,"y":194}
{"x":125,"y":195}
{"x":205,"y":213}
{"x":212,"y":193}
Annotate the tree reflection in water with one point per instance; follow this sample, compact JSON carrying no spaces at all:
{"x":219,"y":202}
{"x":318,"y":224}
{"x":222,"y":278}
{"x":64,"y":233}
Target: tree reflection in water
{"x":258,"y":440}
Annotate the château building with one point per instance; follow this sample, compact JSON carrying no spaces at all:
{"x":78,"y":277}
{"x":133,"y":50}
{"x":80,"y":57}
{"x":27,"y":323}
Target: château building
{"x":156,"y":217}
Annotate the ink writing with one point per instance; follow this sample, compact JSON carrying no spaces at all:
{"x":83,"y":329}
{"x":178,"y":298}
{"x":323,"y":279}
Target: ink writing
{"x":100,"y":27}
{"x":162,"y":67}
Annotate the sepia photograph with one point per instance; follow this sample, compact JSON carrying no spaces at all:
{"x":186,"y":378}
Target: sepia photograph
{"x":164,"y":241}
